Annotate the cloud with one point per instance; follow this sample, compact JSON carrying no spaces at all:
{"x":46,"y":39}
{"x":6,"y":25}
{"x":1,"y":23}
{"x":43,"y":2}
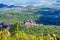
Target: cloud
{"x":36,"y":2}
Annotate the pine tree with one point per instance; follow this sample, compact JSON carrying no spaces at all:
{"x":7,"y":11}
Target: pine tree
{"x":14,"y":28}
{"x":15,"y":32}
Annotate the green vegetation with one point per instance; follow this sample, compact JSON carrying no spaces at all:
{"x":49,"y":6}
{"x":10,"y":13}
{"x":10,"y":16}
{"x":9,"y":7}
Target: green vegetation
{"x":19,"y":31}
{"x":31,"y":33}
{"x":13,"y":16}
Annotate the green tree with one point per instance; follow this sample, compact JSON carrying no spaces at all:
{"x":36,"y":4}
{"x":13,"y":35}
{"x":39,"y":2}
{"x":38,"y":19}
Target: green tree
{"x":14,"y":28}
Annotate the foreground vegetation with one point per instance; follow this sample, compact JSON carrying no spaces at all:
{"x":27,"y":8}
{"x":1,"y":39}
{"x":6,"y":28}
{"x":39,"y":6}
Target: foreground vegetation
{"x":21,"y":32}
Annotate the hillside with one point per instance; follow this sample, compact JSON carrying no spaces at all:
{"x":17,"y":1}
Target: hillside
{"x":46,"y":16}
{"x":12,"y":15}
{"x":13,"y":27}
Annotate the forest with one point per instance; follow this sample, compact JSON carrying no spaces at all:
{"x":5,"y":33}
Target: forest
{"x":14,"y":27}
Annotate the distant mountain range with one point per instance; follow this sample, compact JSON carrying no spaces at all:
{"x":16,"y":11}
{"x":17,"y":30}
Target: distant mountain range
{"x":35,"y":5}
{"x":11,"y":6}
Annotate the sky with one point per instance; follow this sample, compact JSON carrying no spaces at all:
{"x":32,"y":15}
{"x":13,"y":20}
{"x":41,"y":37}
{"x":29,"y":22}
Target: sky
{"x":36,"y":2}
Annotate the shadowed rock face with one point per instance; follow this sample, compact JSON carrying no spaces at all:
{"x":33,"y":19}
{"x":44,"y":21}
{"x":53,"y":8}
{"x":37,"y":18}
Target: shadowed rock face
{"x":4,"y":25}
{"x":49,"y":17}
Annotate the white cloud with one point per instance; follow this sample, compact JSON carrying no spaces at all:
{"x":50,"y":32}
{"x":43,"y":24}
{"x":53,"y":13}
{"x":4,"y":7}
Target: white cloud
{"x":35,"y":2}
{"x":47,"y":2}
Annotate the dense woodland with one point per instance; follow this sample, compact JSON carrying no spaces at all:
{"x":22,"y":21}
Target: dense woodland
{"x":12,"y":26}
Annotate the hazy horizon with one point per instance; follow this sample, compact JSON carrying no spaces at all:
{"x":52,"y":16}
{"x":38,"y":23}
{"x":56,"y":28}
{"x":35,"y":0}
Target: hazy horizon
{"x":22,"y":2}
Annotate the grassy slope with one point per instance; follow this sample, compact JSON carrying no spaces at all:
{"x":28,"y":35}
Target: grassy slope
{"x":12,"y":16}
